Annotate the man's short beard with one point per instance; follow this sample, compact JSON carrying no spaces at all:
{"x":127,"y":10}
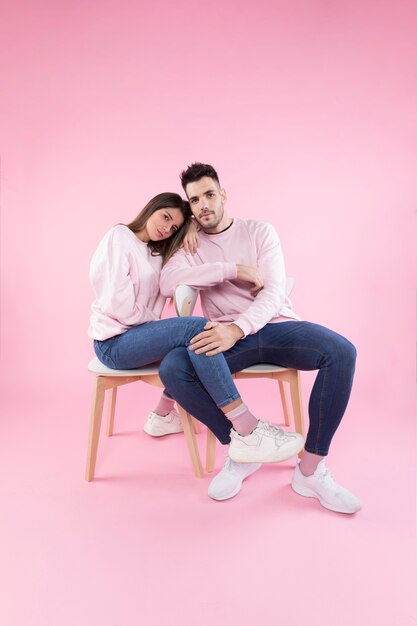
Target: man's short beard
{"x":205,"y":225}
{"x":211,"y":225}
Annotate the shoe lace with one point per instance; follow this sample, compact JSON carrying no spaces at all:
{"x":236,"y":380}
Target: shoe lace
{"x":324,"y":473}
{"x":271,"y":429}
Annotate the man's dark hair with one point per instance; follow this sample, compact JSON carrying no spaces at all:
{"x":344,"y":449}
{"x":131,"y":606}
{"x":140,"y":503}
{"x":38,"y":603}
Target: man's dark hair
{"x":196,"y":171}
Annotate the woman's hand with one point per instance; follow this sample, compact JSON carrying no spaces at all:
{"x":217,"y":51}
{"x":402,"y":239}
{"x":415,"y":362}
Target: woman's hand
{"x":192,"y":239}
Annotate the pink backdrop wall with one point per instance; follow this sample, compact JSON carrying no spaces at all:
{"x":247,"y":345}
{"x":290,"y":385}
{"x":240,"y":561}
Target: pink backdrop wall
{"x":307,"y":109}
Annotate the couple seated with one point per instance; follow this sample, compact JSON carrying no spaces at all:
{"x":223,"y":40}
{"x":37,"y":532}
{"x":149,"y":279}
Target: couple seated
{"x":239,"y":268}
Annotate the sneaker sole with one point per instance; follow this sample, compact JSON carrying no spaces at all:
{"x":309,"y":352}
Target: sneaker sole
{"x":155,"y":432}
{"x":238,"y":488}
{"x":309,"y":493}
{"x":242,"y":455}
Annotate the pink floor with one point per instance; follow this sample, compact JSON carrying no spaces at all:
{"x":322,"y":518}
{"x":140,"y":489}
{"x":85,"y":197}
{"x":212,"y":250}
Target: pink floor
{"x":143,"y":544}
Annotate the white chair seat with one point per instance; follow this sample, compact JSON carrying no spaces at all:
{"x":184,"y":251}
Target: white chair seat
{"x":96,"y":367}
{"x":265,"y":368}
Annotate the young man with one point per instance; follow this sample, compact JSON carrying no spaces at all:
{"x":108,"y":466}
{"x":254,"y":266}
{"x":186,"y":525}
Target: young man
{"x":239,"y":268}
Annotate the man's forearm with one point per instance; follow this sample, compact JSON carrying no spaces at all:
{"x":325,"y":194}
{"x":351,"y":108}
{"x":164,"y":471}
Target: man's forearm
{"x":198,"y":276}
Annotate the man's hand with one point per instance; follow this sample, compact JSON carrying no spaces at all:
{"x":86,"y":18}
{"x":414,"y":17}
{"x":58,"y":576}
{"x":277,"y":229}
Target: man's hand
{"x":216,"y":338}
{"x":192,"y":239}
{"x":252,"y":275}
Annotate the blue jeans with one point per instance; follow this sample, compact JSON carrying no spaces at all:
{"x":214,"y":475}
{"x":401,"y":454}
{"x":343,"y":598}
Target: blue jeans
{"x":150,"y":342}
{"x":298,"y":345}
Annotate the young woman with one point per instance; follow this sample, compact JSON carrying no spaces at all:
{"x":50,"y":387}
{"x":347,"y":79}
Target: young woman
{"x":128,"y":333}
{"x":125,"y":322}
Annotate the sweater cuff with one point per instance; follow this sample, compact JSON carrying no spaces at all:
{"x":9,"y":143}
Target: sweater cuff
{"x":229,"y":271}
{"x":244,"y":325}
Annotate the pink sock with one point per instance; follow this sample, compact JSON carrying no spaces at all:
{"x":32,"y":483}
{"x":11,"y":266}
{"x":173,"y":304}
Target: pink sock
{"x":242,"y":419}
{"x":164,"y":405}
{"x":309,"y":462}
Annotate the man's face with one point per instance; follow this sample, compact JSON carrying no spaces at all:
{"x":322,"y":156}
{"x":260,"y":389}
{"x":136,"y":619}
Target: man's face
{"x":207,"y":202}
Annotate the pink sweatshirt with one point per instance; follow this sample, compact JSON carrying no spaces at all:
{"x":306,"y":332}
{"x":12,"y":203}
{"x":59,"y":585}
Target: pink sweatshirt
{"x":125,"y":279}
{"x":213,"y":270}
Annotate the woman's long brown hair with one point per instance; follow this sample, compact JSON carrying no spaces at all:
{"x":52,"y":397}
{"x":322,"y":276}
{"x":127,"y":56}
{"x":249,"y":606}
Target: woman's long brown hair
{"x":167,"y":247}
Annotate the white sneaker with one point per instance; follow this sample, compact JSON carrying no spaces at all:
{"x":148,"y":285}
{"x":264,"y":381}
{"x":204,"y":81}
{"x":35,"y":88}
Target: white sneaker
{"x":266,"y":444}
{"x":228,"y":481}
{"x":322,"y":485}
{"x":159,"y":425}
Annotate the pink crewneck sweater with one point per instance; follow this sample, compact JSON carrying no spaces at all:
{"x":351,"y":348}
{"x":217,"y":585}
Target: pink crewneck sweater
{"x":213,"y":270}
{"x":125,"y":279}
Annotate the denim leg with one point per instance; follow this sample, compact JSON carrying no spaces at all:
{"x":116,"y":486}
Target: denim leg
{"x":179,"y":376}
{"x":150,"y":342}
{"x":299,"y":345}
{"x":306,"y":346}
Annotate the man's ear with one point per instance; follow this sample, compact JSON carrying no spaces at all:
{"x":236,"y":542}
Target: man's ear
{"x":223,"y":195}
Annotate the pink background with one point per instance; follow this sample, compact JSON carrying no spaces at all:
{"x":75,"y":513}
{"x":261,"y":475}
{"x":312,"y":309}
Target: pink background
{"x":307,"y":110}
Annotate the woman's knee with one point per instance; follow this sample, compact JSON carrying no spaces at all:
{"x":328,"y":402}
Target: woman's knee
{"x":174,"y":366}
{"x":197,"y":323}
{"x":192,"y":326}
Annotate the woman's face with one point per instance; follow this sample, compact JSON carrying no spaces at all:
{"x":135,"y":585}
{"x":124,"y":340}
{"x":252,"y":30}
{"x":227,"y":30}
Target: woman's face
{"x":163,"y":224}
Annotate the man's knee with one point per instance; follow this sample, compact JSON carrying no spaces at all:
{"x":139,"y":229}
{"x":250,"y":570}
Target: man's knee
{"x":352,"y":351}
{"x":345,"y":351}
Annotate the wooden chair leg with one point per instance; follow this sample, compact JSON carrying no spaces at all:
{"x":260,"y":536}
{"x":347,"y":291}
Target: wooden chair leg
{"x":284,"y":403}
{"x":95,"y":424}
{"x":196,"y":426}
{"x":187,"y":425}
{"x":297,"y":403}
{"x":112,"y":396}
{"x":210,"y":451}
